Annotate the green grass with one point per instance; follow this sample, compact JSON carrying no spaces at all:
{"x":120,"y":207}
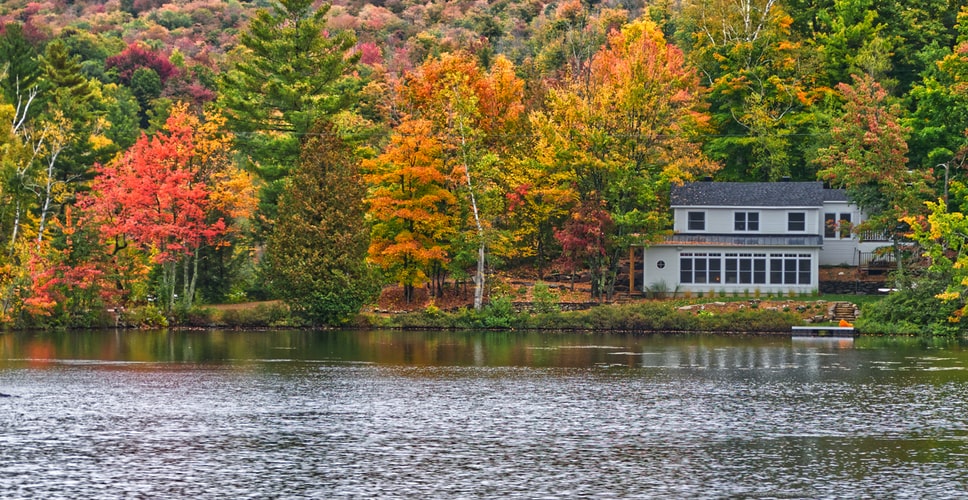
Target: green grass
{"x":856,"y":299}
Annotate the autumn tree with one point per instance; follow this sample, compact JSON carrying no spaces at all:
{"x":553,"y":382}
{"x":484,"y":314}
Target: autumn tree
{"x":145,"y":72}
{"x":316,"y":254}
{"x":471,"y":112}
{"x":160,"y":196}
{"x":410,"y":205}
{"x":622,"y":140}
{"x":943,"y":239}
{"x":71,"y":281}
{"x":867,"y":155}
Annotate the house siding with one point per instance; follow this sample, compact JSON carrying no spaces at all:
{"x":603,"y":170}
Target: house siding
{"x":720,"y":220}
{"x":771,"y":259}
{"x":667,"y":275}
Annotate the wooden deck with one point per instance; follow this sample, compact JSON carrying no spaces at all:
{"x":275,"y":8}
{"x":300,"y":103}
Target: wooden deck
{"x":824,"y":331}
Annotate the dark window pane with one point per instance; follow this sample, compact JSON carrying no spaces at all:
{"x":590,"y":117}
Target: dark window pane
{"x":776,"y":271}
{"x":685,"y":270}
{"x":790,"y":271}
{"x":759,"y":271}
{"x":697,"y":221}
{"x":805,"y":271}
{"x":731,"y":276}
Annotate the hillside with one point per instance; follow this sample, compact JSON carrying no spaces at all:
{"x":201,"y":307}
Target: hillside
{"x":169,"y":154}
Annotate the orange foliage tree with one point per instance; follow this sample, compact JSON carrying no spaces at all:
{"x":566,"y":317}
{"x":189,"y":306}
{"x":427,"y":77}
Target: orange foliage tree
{"x":409,"y":205}
{"x":470,"y":113}
{"x":171,"y":194}
{"x":618,"y":141}
{"x":867,"y":156}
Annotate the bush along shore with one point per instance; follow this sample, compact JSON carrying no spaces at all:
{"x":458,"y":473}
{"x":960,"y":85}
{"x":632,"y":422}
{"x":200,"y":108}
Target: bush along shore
{"x":771,"y":315}
{"x":499,"y":314}
{"x":643,"y":317}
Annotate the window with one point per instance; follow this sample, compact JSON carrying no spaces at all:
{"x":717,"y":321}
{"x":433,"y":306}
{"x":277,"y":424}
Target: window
{"x":696,"y":221}
{"x":845,"y":226}
{"x":700,"y":268}
{"x":660,"y":264}
{"x":790,"y":269}
{"x":796,"y":221}
{"x":836,"y":228}
{"x":746,"y":221}
{"x":745,"y":268}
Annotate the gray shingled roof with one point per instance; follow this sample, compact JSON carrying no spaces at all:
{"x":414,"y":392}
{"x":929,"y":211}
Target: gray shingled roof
{"x":749,"y":194}
{"x":835,"y":195}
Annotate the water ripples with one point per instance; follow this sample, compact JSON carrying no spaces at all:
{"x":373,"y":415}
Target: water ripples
{"x":685,"y":421}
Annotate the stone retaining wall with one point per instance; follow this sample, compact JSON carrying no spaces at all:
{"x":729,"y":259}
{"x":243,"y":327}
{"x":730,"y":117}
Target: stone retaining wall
{"x":851,"y":287}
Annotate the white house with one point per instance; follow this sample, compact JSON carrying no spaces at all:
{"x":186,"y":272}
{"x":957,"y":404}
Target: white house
{"x":737,"y":237}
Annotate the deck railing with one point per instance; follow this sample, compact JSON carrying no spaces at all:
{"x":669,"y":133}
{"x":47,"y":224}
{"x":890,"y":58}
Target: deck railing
{"x":875,"y":262}
{"x":873,"y":236}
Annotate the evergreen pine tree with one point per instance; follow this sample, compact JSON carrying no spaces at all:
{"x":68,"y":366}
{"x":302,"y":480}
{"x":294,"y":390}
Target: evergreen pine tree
{"x":317,"y":250}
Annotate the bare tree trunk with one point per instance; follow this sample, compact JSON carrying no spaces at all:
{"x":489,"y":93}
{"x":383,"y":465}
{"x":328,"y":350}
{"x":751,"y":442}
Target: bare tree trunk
{"x":479,"y":276}
{"x":190,"y":296}
{"x":48,"y":196}
{"x":16,"y":227}
{"x":168,"y":285}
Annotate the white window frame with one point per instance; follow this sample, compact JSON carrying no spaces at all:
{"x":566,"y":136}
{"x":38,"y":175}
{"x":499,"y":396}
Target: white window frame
{"x":791,"y":222}
{"x":744,"y":220}
{"x":690,"y":220}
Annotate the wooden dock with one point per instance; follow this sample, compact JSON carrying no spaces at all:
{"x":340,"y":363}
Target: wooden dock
{"x":824,"y":331}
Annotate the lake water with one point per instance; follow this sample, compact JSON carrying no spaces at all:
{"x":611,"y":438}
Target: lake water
{"x":472,"y":415}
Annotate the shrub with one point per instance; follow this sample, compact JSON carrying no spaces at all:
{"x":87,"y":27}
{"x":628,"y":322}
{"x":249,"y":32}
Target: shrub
{"x":263,"y":315}
{"x":498,"y":313}
{"x":657,"y":290}
{"x":200,"y":316}
{"x":913,"y":310}
{"x":545,"y":300}
{"x":149,"y":316}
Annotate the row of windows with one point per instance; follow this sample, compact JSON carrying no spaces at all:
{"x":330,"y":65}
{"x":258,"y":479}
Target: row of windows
{"x":745,"y":268}
{"x":748,"y":221}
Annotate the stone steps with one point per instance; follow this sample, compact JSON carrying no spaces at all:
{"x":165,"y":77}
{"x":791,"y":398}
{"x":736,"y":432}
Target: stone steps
{"x":843,"y":311}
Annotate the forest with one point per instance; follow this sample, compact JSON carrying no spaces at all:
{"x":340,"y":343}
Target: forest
{"x":159,"y":156}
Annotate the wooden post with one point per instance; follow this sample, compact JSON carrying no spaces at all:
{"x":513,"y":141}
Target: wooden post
{"x":631,"y":270}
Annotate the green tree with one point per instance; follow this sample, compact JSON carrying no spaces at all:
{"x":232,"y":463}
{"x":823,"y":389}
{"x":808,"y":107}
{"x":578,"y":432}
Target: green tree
{"x":940,"y":105}
{"x":146,"y":87}
{"x":121,"y":115}
{"x":73,"y":139}
{"x":289,"y":72}
{"x":851,"y":39}
{"x":761,"y":82}
{"x":316,"y":254}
